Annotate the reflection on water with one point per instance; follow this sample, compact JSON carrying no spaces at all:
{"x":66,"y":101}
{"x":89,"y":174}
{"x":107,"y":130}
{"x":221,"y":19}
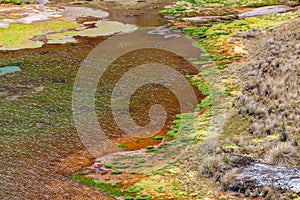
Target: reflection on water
{"x":147,"y":17}
{"x":144,"y":97}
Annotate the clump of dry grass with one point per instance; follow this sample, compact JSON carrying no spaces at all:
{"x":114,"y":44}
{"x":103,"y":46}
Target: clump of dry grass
{"x":211,"y":165}
{"x":284,"y":153}
{"x":228,"y":179}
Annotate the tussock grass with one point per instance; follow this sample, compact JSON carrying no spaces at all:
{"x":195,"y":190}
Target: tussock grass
{"x":284,"y":153}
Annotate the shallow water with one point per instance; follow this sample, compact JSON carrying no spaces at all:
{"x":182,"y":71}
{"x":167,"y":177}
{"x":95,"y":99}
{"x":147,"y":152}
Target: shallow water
{"x":9,"y":69}
{"x":43,"y":1}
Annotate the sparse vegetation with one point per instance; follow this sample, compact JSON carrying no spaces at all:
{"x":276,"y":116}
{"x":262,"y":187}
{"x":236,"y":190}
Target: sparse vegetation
{"x":116,"y":171}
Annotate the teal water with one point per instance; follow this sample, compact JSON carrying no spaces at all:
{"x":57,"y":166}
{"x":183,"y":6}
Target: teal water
{"x":9,"y":69}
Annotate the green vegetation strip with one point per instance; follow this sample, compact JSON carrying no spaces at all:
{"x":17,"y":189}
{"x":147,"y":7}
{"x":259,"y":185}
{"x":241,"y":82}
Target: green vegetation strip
{"x":212,"y":37}
{"x":112,"y":189}
{"x":16,"y":2}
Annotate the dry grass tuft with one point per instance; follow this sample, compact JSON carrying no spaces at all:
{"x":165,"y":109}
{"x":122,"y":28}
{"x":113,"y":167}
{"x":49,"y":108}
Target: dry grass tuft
{"x":228,"y":179}
{"x":284,"y":153}
{"x":211,"y":165}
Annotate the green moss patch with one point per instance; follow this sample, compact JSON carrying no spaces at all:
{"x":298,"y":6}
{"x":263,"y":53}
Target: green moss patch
{"x":63,"y":30}
{"x":19,"y":36}
{"x":113,"y":189}
{"x":226,"y":3}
